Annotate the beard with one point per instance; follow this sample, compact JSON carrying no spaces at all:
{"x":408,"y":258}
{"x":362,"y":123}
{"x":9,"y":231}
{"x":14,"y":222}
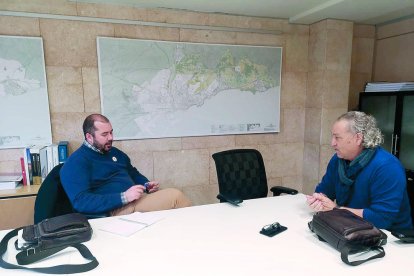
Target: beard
{"x":103,"y":147}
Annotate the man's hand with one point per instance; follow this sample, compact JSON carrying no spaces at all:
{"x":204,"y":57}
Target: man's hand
{"x":313,"y":202}
{"x":153,"y":186}
{"x":320,"y":202}
{"x":134,"y":193}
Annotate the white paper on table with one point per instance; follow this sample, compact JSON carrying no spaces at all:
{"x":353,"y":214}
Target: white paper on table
{"x":147,"y":218}
{"x":122,"y":227}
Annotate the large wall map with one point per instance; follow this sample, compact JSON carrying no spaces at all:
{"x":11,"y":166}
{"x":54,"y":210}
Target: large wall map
{"x":24,"y":104}
{"x":153,"y":89}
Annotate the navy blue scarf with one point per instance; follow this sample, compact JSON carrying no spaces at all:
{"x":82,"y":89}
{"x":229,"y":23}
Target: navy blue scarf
{"x":348,"y":172}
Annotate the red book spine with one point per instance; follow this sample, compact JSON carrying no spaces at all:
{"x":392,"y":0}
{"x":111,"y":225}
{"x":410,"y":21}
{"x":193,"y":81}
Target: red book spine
{"x":23,"y":171}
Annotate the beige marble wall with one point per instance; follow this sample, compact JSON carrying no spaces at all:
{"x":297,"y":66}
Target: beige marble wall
{"x":315,"y":70}
{"x":394,"y":54}
{"x":362,"y":62}
{"x":330,"y":48}
{"x":382,"y":53}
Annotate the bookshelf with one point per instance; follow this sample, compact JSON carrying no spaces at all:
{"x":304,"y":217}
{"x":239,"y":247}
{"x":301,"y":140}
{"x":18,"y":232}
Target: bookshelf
{"x":17,"y":206}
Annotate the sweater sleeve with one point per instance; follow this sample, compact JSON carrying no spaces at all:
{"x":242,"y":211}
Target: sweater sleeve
{"x":135,"y":174}
{"x":387,"y":191}
{"x":75,"y":180}
{"x":327,"y":184}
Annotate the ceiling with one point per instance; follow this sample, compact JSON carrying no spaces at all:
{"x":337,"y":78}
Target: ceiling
{"x":372,"y":12}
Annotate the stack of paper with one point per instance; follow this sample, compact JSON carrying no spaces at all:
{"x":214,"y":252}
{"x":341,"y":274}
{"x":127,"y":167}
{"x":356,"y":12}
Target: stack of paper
{"x":129,"y":224}
{"x":8,"y":182}
{"x":389,"y":86}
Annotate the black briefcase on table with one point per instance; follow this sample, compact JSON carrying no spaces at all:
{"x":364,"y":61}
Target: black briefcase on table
{"x":349,"y":234}
{"x":38,"y":241}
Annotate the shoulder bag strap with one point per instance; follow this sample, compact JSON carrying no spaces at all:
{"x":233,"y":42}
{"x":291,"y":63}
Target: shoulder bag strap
{"x":25,"y":258}
{"x":346,"y":250}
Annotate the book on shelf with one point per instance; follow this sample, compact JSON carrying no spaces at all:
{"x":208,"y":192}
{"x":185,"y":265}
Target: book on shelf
{"x":49,"y":159}
{"x":36,"y":167}
{"x":10,"y":181}
{"x":63,"y":151}
{"x":43,"y":165}
{"x":23,"y":167}
{"x":28,"y":165}
{"x":55,"y":155}
{"x":39,"y":160}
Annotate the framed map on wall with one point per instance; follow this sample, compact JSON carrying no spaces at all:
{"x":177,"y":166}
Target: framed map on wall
{"x":154,"y":89}
{"x":24,"y":103}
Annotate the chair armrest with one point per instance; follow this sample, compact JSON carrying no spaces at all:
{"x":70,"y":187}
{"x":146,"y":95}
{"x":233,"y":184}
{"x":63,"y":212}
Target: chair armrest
{"x":277,"y":190}
{"x":231,"y":200}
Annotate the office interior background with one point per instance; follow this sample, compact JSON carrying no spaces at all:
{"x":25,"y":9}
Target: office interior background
{"x":326,"y":63}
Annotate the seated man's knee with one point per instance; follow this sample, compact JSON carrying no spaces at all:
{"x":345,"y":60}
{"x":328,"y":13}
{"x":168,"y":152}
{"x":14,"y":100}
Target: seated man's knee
{"x":179,"y":197}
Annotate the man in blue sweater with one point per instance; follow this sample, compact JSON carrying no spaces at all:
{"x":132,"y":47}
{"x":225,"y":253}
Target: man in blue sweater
{"x":362,"y":177}
{"x":99,"y":178}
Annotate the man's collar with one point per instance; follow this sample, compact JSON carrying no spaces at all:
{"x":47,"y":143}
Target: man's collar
{"x":86,"y":143}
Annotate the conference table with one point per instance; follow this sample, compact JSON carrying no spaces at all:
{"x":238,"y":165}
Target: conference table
{"x":222,"y":239}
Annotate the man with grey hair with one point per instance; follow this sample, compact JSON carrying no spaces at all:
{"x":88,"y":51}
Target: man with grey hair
{"x":362,"y":177}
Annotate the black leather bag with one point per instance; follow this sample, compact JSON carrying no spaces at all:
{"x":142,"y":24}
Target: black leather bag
{"x":48,"y":237}
{"x":349,"y":234}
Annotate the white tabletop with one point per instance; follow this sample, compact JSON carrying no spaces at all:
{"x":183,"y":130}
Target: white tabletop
{"x":220,"y":239}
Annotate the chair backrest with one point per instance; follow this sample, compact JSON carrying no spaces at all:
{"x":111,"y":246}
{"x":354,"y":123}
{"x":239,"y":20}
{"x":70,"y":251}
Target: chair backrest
{"x":241,"y":173}
{"x":410,"y":191}
{"x":51,"y":200}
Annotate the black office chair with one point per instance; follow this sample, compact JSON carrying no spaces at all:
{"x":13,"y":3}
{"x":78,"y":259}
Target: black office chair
{"x":51,"y":199}
{"x":241,"y":175}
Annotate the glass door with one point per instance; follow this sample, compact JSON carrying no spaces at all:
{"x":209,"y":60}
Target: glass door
{"x":382,"y":106}
{"x":407,"y":133}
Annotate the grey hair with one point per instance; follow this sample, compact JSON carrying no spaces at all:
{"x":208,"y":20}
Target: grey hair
{"x":359,"y":122}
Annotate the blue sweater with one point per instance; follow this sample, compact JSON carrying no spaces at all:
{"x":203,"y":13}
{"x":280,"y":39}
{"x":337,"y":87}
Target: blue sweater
{"x":379,"y":189}
{"x":94,"y":182}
